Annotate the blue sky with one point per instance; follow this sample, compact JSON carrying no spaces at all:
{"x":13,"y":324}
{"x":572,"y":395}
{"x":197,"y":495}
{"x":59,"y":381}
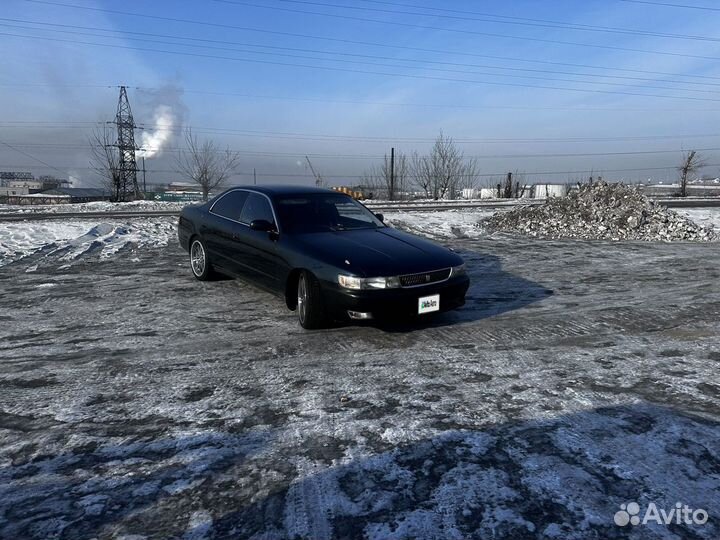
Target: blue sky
{"x":343,"y":81}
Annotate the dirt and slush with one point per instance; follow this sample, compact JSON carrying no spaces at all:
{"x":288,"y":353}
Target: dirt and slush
{"x":137,"y":402}
{"x":600,"y":211}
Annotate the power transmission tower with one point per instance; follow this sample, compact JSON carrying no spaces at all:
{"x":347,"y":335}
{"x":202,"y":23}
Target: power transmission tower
{"x":127,"y":185}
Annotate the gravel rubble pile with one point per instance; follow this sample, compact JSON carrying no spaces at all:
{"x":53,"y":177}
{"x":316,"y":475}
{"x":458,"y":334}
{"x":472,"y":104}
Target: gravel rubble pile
{"x":600,"y":211}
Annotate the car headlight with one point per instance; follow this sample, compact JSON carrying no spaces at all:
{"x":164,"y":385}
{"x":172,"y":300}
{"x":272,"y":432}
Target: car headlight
{"x":458,"y":270}
{"x":352,"y":282}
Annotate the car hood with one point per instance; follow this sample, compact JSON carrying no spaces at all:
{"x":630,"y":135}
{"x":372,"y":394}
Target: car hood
{"x":378,"y":252}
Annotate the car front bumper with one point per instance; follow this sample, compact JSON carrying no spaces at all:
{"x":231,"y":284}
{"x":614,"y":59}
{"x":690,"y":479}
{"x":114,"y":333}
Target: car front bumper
{"x":384,"y":304}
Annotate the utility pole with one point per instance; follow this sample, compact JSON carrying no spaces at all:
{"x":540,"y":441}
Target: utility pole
{"x":144,"y":183}
{"x":254,"y":177}
{"x":508,"y":186}
{"x":392,"y":174}
{"x":127,"y":182}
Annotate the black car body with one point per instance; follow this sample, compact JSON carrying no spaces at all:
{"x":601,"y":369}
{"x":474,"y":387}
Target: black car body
{"x":324,"y":252}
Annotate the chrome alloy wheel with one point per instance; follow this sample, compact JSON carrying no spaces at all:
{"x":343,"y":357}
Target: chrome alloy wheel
{"x":302,"y":299}
{"x":197,"y":258}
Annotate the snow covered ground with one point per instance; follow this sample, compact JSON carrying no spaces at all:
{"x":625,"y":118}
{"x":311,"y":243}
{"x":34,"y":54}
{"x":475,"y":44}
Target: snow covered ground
{"x":98,"y":206}
{"x":76,"y":238}
{"x":707,"y":217}
{"x":441,"y":224}
{"x":73,"y":239}
{"x":137,"y":402}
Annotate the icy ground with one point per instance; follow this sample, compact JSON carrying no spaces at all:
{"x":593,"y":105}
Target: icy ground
{"x":135,"y":400}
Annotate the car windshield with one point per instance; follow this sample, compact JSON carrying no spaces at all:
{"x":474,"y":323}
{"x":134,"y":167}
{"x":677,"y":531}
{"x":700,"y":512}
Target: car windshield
{"x":321,"y":212}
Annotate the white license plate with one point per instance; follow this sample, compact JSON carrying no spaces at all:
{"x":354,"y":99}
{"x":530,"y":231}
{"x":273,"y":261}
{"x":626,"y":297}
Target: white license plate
{"x":428,"y":304}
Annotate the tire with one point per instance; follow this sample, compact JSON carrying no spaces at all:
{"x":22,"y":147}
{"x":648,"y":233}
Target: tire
{"x":310,"y":309}
{"x":199,"y":262}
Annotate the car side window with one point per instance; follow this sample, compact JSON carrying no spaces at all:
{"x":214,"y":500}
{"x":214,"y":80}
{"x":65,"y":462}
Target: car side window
{"x":256,"y":207}
{"x":231,"y":205}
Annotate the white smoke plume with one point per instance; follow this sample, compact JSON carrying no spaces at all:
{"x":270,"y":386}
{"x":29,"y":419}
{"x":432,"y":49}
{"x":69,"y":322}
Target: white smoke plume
{"x":154,"y":141}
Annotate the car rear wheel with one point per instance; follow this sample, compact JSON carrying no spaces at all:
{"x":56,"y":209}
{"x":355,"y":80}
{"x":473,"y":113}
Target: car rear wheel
{"x":310,"y":310}
{"x":199,"y":263}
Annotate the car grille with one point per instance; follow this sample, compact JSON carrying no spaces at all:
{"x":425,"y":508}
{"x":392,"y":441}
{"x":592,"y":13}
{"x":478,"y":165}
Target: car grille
{"x":424,"y":278}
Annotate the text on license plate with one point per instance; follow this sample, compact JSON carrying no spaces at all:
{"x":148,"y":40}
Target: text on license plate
{"x":427,"y":304}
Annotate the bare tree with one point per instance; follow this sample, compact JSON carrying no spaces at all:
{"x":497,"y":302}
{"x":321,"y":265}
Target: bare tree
{"x":470,"y":177}
{"x":205,"y":164}
{"x":691,"y":165}
{"x":444,"y":171}
{"x":105,"y":159}
{"x":391,"y":181}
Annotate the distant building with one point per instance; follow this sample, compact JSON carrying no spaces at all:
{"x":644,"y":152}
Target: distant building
{"x":182,"y":186}
{"x":12,"y":191}
{"x":6,"y":176}
{"x":80,"y":195}
{"x":52,"y":196}
{"x":544,"y":191}
{"x":33,"y":185}
{"x":51,"y":182}
{"x":35,"y":199}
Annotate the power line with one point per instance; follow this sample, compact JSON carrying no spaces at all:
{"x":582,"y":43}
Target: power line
{"x":446,"y":10}
{"x":359,"y":176}
{"x":391,"y":46}
{"x":423,"y":65}
{"x":228,"y":26}
{"x":667,"y":4}
{"x":457,"y":31}
{"x":375,"y":156}
{"x":326,"y":101}
{"x":423,"y":62}
{"x":353,"y":138}
{"x":359,"y":71}
{"x":462,"y":15}
{"x":31,"y":157}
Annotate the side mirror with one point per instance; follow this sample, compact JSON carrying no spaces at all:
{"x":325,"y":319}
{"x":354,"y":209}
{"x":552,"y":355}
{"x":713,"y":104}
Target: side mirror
{"x":262,"y":225}
{"x":380,"y":217}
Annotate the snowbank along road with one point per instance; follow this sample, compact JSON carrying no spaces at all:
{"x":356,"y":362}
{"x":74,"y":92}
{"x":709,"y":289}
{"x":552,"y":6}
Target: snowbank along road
{"x":578,"y":378}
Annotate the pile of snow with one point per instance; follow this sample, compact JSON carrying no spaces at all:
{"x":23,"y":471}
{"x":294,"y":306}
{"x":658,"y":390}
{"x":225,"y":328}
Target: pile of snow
{"x":600,"y":211}
{"x":20,"y":239}
{"x":72,"y":240}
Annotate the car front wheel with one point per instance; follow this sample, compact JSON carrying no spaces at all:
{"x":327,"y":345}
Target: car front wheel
{"x":311,"y":313}
{"x":199,"y":263}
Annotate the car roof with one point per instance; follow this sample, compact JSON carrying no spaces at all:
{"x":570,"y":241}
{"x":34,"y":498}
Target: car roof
{"x":276,"y":190}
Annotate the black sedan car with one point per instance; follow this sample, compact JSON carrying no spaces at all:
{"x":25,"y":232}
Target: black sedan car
{"x":326,"y":254}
